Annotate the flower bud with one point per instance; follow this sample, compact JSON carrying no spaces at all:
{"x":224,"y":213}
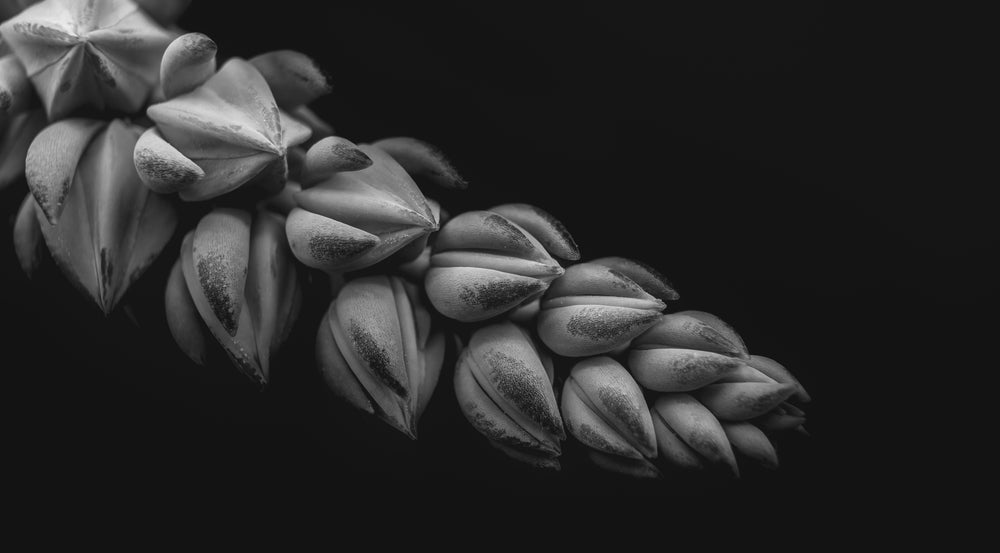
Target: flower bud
{"x":690,"y":437}
{"x":377,"y":351}
{"x":483,"y":264}
{"x":354,"y":218}
{"x":237,"y":272}
{"x":593,"y":309}
{"x":697,"y":352}
{"x":504,"y":388}
{"x":603,"y":407}
{"x":750,"y":442}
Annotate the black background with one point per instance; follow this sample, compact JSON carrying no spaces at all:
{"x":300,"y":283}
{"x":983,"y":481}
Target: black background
{"x":807,"y":172}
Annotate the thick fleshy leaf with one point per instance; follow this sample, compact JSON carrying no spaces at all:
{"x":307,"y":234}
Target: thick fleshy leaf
{"x":749,"y":441}
{"x":507,"y":367}
{"x":671,"y":447}
{"x":745,"y":373}
{"x":681,"y":330}
{"x":584,"y":330}
{"x":649,"y":278}
{"x":52,"y":159}
{"x":29,"y":245}
{"x":471,"y":294}
{"x":220,"y":253}
{"x":187,"y":63}
{"x":432,"y":357}
{"x":489,"y":418}
{"x":322,"y":242}
{"x":720,"y":326}
{"x":336,"y":373}
{"x":214,"y":292}
{"x":698,"y":428}
{"x":543,"y":226}
{"x":740,"y":401}
{"x":183,"y":319}
{"x":374,"y":329}
{"x":422,"y":159}
{"x":490,"y":232}
{"x":589,"y":279}
{"x":272,"y":286}
{"x":330,"y":155}
{"x":517,"y":266}
{"x":679,"y":370}
{"x":778,"y":372}
{"x":604,"y":408}
{"x":161,"y":166}
{"x":294,"y":77}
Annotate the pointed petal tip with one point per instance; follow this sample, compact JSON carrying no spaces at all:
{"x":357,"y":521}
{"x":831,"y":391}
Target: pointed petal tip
{"x":107,"y":307}
{"x":421,"y":158}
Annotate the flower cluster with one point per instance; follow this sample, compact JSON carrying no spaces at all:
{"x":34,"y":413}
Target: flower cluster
{"x":123,"y":126}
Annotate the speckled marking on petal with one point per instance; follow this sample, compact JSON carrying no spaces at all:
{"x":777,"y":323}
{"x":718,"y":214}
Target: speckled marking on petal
{"x":377,"y":358}
{"x":623,"y":282}
{"x":106,"y":271}
{"x":705,"y":444}
{"x":501,"y":225}
{"x":351,"y":156}
{"x":233,"y":128}
{"x":556,"y":225}
{"x":712,"y":336}
{"x":102,"y":70}
{"x":329,"y":248}
{"x":446,"y":169}
{"x":489,"y":428}
{"x":164,"y":169}
{"x":43,"y":32}
{"x":759,"y":403}
{"x":200,"y":46}
{"x":657,"y":275}
{"x":623,"y":407}
{"x":599,"y":324}
{"x":45,"y":201}
{"x":307,"y":76}
{"x":523,"y":387}
{"x":691,"y":367}
{"x":496,"y":294}
{"x":590,"y":436}
{"x":213,"y":274}
{"x":248,"y":369}
{"x":5,"y":100}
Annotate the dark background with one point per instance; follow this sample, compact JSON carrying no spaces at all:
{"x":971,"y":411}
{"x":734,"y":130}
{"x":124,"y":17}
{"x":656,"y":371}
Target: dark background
{"x":805,"y":171}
